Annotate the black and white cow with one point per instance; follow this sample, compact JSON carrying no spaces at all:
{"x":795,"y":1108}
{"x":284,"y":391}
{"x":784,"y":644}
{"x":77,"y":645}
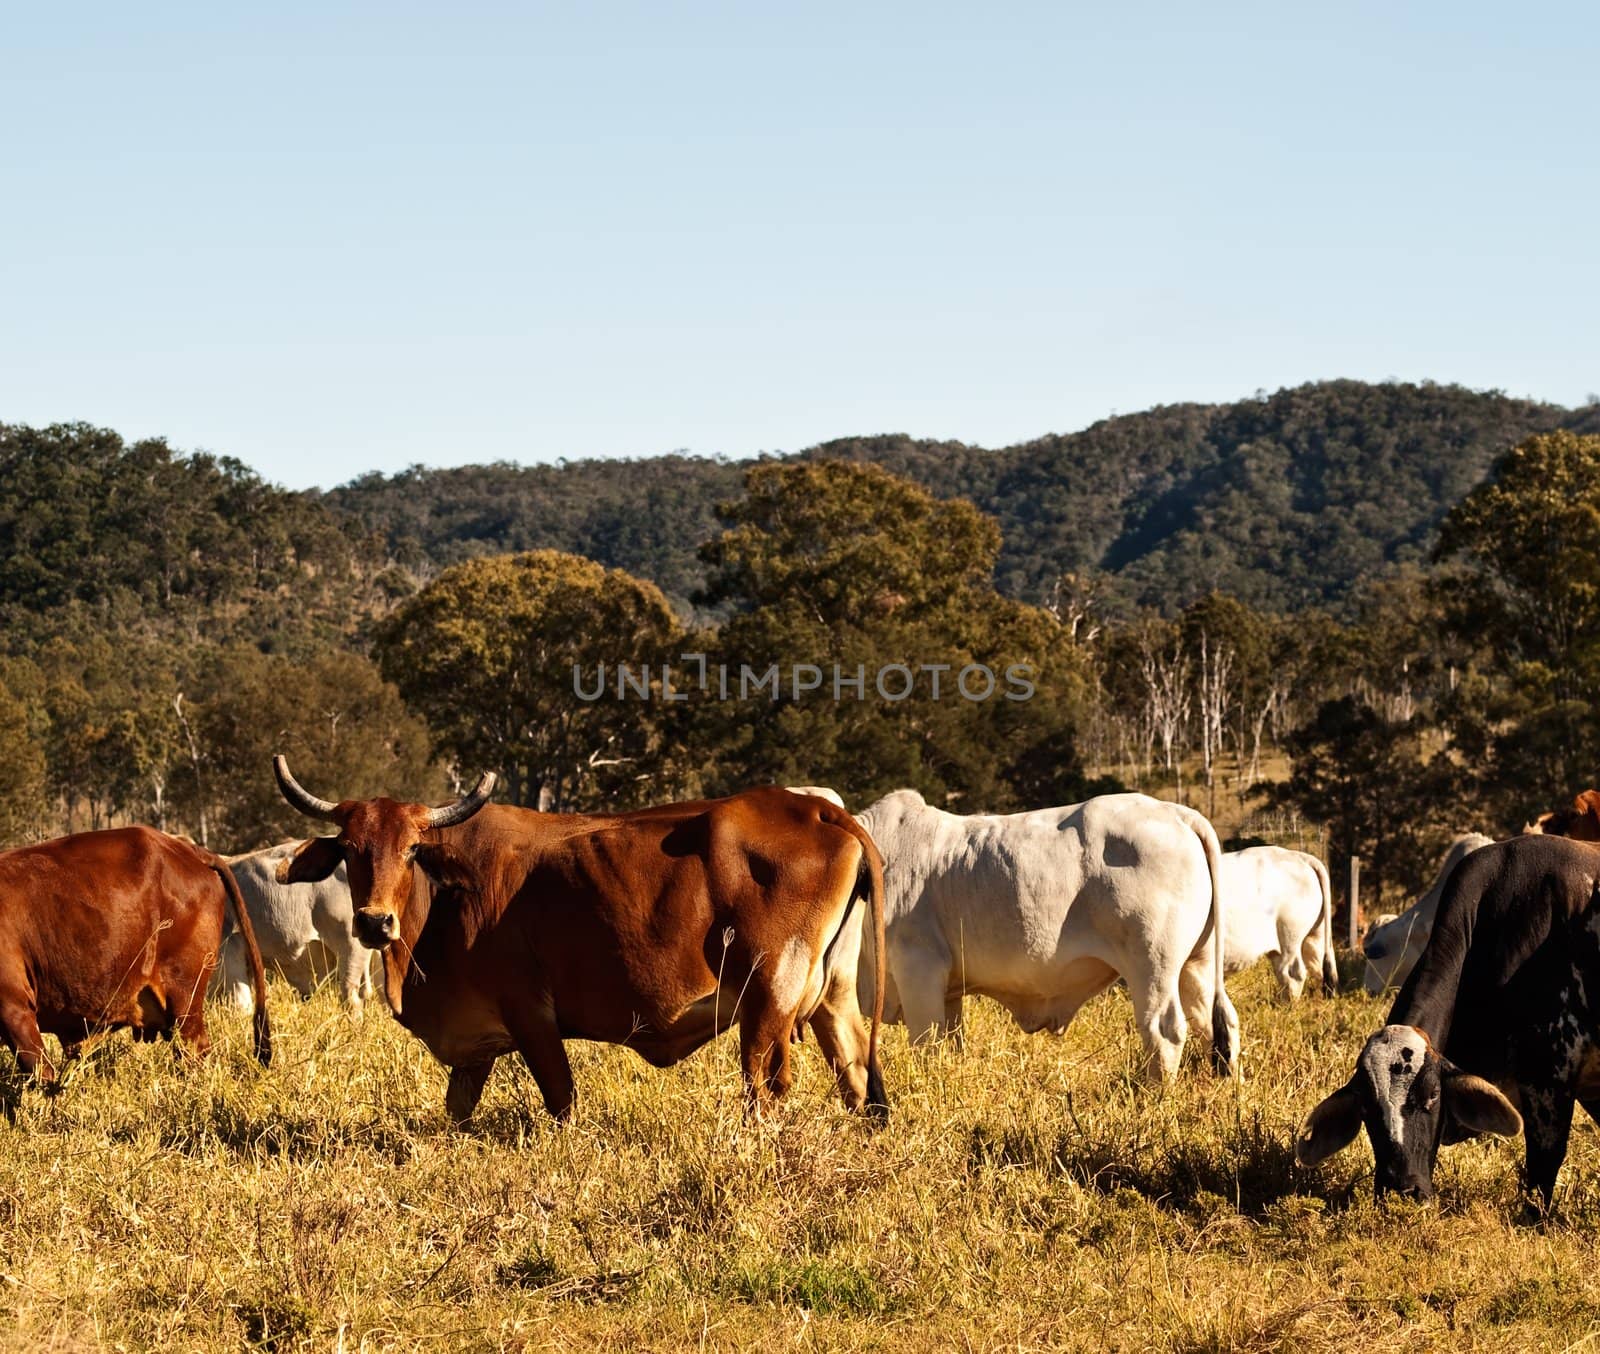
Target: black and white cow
{"x":1506,"y":996}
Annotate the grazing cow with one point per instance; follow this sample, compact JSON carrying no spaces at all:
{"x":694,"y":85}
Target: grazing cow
{"x":1393,"y":943}
{"x":304,"y":930}
{"x":508,"y":930}
{"x":1580,"y":822}
{"x":107,"y":930}
{"x":1280,"y":904}
{"x":1505,"y":995}
{"x":1044,"y":910}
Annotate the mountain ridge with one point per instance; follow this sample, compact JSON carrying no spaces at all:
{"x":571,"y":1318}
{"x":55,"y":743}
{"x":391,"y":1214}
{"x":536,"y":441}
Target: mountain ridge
{"x":1288,"y":499}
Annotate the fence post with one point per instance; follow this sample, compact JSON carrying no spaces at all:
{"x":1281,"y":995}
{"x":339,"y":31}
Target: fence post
{"x":1355,"y":900}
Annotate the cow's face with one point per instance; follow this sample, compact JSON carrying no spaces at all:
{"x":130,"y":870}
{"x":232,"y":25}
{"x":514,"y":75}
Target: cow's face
{"x":1409,"y":1096}
{"x":379,"y":842}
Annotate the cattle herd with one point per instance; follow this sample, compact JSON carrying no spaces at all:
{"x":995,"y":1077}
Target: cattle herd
{"x":776,"y":911}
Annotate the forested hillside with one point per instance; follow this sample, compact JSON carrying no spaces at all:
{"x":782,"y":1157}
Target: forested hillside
{"x":1284,"y":500}
{"x":99,"y":536}
{"x":647,"y":516}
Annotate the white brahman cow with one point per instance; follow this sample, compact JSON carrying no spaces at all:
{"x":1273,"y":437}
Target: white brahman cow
{"x":1393,"y":947}
{"x":1280,"y":904}
{"x":1044,"y":910}
{"x":304,"y":931}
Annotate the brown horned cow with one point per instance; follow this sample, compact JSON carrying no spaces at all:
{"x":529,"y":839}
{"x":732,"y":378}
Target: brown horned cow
{"x":504,"y":929}
{"x":106,"y":930}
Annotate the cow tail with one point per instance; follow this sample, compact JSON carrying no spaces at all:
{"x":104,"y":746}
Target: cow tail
{"x":872,"y":870}
{"x":1223,"y":1052}
{"x":1330,"y":965}
{"x":258,"y":974}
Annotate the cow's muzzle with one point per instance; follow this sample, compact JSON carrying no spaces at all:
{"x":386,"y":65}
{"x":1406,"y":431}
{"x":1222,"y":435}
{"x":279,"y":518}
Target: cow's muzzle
{"x":376,"y":929}
{"x":1411,"y":1187}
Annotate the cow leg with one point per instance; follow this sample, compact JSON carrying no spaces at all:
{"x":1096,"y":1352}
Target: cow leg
{"x":923,"y":979}
{"x":764,"y":1053}
{"x":1289,"y":968}
{"x":1158,"y":1014}
{"x":300,"y":970}
{"x":19,"y":1027}
{"x":355,"y":973}
{"x":1311,"y":954}
{"x":538,"y":1039}
{"x":1196,"y":989}
{"x":231,"y":977}
{"x":191,"y":1023}
{"x":1288,"y":960}
{"x":952,"y":1021}
{"x":842,"y":1036}
{"x":192,"y":1030}
{"x":465,"y":1090}
{"x":1546,"y":1124}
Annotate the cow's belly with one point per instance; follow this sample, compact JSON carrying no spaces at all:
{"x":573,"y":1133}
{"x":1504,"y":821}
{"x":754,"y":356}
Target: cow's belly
{"x":670,"y":1040}
{"x":463,"y":1035}
{"x":1027,"y":934}
{"x":1251,"y":933}
{"x":1072,"y":985}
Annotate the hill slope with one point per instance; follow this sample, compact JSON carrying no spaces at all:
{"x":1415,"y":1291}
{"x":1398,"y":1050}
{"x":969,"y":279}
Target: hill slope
{"x":101,"y":536}
{"x":1286,"y":500}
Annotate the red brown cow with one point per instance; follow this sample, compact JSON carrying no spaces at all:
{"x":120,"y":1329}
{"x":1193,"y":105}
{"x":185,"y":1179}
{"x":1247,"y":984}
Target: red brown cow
{"x":508,"y":930}
{"x":106,"y":930}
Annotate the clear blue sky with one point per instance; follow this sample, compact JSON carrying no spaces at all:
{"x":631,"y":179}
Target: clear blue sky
{"x":329,"y":238}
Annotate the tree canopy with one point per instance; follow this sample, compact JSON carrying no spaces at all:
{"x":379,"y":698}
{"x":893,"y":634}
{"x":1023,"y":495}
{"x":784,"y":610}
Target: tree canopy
{"x":493,"y":654}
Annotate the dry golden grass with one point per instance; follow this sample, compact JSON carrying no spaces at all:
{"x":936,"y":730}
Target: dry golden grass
{"x":1026,"y":1195}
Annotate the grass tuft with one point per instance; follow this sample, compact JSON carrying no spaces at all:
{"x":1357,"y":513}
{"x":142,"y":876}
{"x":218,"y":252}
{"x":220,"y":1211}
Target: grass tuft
{"x":819,"y":1286}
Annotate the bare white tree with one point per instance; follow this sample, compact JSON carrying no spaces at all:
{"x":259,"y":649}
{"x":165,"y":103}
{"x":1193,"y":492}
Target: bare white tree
{"x":1167,"y":698}
{"x":1073,"y":600}
{"x":1266,"y":716}
{"x":1216,"y":671}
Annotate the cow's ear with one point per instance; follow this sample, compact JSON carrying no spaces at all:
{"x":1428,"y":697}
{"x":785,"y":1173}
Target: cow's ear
{"x":441,"y":864}
{"x":1475,"y":1106}
{"x":312,"y":861}
{"x":1331,"y":1126}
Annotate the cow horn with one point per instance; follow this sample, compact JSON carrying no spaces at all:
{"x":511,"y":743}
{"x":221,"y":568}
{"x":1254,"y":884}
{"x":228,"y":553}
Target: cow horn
{"x":451,"y":814}
{"x":296,"y":794}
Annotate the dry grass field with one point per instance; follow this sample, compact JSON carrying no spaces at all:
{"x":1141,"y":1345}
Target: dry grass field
{"x":1026,"y":1195}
